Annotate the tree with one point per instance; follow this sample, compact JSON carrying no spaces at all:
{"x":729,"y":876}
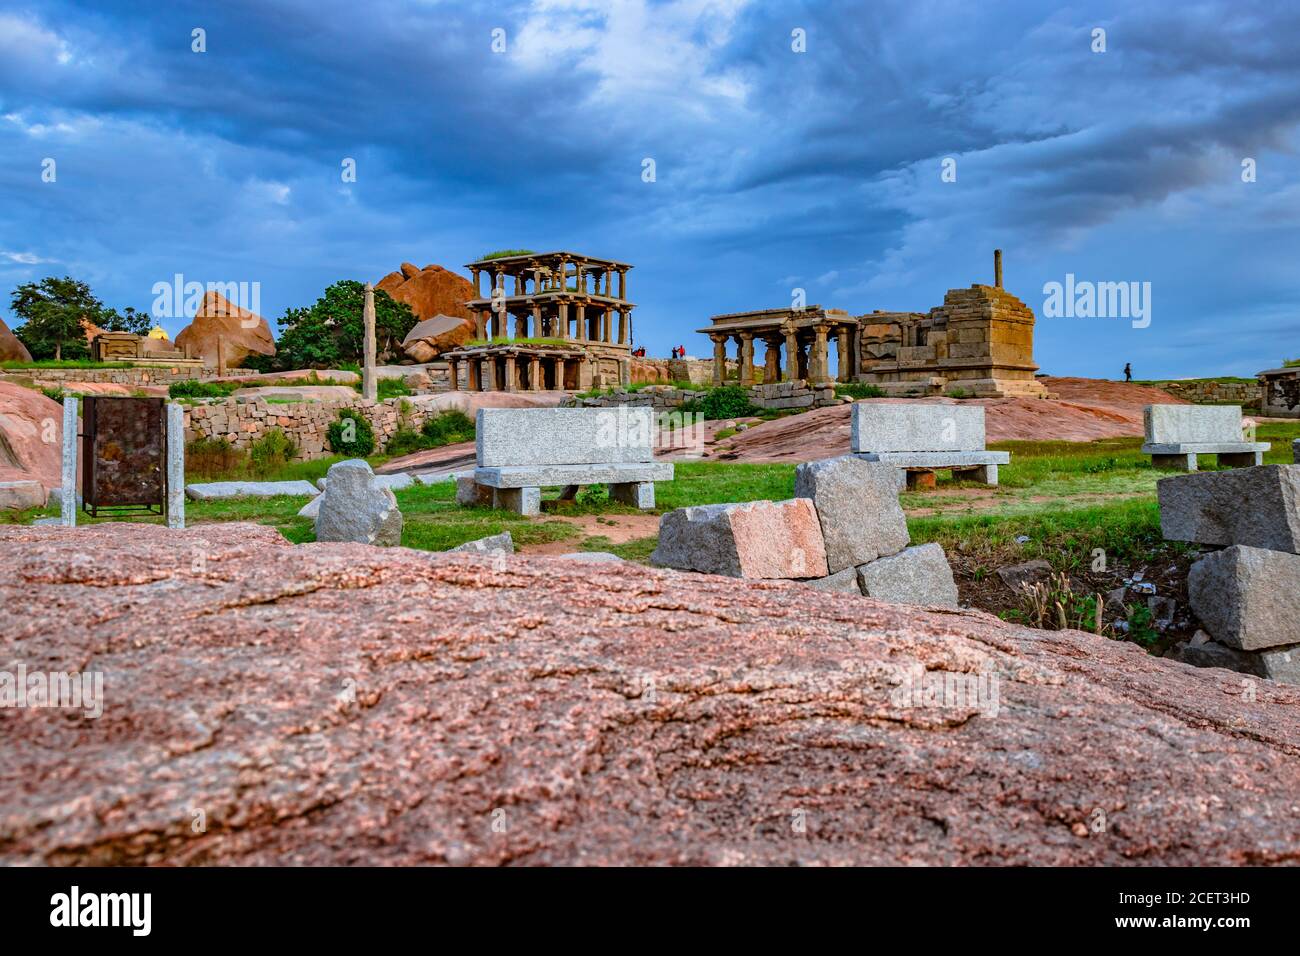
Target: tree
{"x":138,"y":323}
{"x":53,"y":312}
{"x":331,"y":332}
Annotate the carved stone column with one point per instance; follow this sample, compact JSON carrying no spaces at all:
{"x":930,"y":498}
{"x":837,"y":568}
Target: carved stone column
{"x":842,"y":353}
{"x":535,"y":374}
{"x":746,"y":340}
{"x":511,"y":384}
{"x":719,"y":358}
{"x":791,"y":353}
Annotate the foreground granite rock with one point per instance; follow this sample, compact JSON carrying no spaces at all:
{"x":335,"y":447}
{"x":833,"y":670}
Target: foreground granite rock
{"x":366,"y":706}
{"x":916,"y":575}
{"x":753,"y":539}
{"x":355,"y":508}
{"x":1258,"y":507}
{"x":857,"y":504}
{"x":1247,"y":598}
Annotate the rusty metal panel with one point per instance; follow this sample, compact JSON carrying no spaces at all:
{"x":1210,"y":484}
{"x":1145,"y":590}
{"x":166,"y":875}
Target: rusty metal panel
{"x":124,"y":462}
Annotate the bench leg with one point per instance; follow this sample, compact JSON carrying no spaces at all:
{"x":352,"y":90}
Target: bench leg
{"x":1242,"y":459}
{"x":470,"y":494}
{"x":1174,"y":462}
{"x":988,"y":474}
{"x":920,"y":480}
{"x":638,"y":494}
{"x":522,"y":501}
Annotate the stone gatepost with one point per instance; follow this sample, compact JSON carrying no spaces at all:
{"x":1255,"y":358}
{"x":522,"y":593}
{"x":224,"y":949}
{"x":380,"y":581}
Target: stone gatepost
{"x":842,"y":353}
{"x":369,"y":384}
{"x":68,"y":502}
{"x":175,"y":466}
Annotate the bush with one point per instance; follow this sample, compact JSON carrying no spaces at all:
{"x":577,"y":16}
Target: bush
{"x":351,"y":435}
{"x":405,"y":441}
{"x":448,"y":428}
{"x":857,"y":390}
{"x":212,"y":458}
{"x":193,"y":388}
{"x":727,"y":401}
{"x":272,"y":451}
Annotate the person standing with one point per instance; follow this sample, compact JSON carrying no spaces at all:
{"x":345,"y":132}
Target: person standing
{"x":1128,"y":371}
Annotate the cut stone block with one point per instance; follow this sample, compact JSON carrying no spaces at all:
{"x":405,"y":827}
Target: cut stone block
{"x":470,"y":494}
{"x":910,"y":426}
{"x":557,"y":476}
{"x":501,"y":543}
{"x":21,"y":495}
{"x":215,"y":490}
{"x":638,"y":494}
{"x":592,"y":557}
{"x":1247,"y":598}
{"x":1295,"y":451}
{"x":522,"y":501}
{"x":754,"y":539}
{"x":846,"y":580}
{"x":1257,"y":507}
{"x":564,"y":436}
{"x":1201,"y":652}
{"x":353,"y":508}
{"x":1192,"y":424}
{"x":918,"y":575}
{"x":857,"y":505}
{"x":1281,"y":664}
{"x":392,"y":482}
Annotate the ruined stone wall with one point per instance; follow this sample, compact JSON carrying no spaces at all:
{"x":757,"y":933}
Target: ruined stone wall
{"x":776,"y":395}
{"x":139,"y":375}
{"x":1246,"y":394}
{"x":1280,"y":393}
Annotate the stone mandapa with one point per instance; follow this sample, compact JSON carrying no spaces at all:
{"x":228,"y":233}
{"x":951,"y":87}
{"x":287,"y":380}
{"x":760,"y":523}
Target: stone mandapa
{"x":918,"y":575}
{"x":857,"y":506}
{"x":1258,"y":507}
{"x":1247,"y":598}
{"x":353,"y":508}
{"x":754,"y":539}
{"x":330,"y":711}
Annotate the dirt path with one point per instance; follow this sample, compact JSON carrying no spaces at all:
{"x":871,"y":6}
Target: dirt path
{"x":619,"y":529}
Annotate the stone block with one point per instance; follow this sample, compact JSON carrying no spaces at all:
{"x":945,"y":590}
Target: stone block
{"x":1200,"y":651}
{"x":1247,"y":598}
{"x":889,"y":427}
{"x":1257,"y":507}
{"x":1192,"y":424}
{"x":917,"y":575}
{"x":551,"y":476}
{"x":216,"y":490}
{"x":522,"y":501}
{"x":21,"y":495}
{"x":563,"y":436}
{"x":638,"y":494}
{"x":353,"y":508}
{"x":846,"y":580}
{"x":470,"y":494}
{"x":498,"y":543}
{"x":1281,"y":664}
{"x":754,"y":539}
{"x":857,"y":506}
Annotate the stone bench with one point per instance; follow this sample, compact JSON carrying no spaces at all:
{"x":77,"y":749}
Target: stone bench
{"x":1177,"y":434}
{"x":520,"y":451}
{"x":922,"y":438}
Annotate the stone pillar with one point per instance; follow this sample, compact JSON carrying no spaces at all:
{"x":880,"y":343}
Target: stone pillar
{"x":510,"y":384}
{"x":625,"y":373}
{"x":842,"y":353}
{"x":746,"y":350}
{"x":473,"y":378}
{"x":819,"y":362}
{"x":369,"y":384}
{"x":534,"y":374}
{"x":997,"y":268}
{"x":580,"y":311}
{"x":606,"y":327}
{"x":719,"y":358}
{"x":624,"y":323}
{"x":564,"y":320}
{"x":175,"y":465}
{"x":221,"y":356}
{"x":622,"y":283}
{"x":68,"y":502}
{"x":791,"y":354}
{"x":480,"y":327}
{"x":452,"y":378}
{"x":487,"y":375}
{"x":537,"y":321}
{"x":772,"y":360}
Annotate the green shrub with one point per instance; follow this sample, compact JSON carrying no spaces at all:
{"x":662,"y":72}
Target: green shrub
{"x":193,"y":388}
{"x":405,"y":441}
{"x":857,"y":390}
{"x":54,"y":391}
{"x":351,"y":435}
{"x":448,"y":428}
{"x":593,"y":495}
{"x":726,"y":401}
{"x":958,"y":393}
{"x":273,"y":450}
{"x":388,"y":388}
{"x":212,"y":458}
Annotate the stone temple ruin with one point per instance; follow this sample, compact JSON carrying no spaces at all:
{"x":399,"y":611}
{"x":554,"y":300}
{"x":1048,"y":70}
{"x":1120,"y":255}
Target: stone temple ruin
{"x":980,"y":341}
{"x":553,"y":320}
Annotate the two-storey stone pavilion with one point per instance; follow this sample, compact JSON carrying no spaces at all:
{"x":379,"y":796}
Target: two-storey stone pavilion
{"x":552,"y":320}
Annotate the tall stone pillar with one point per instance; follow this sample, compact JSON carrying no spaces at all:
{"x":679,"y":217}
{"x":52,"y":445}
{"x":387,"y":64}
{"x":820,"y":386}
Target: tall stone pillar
{"x":792,"y":370}
{"x":534,"y":374}
{"x":369,"y":383}
{"x":478,"y":292}
{"x":452,"y":378}
{"x":473,"y":378}
{"x":606,"y":327}
{"x":622,"y":283}
{"x":175,"y":466}
{"x":68,"y":499}
{"x":584,"y":334}
{"x":719,"y":358}
{"x":480,"y":327}
{"x":772,"y":360}
{"x":511,"y":384}
{"x":624,"y":323}
{"x":564,"y":320}
{"x":819,"y":363}
{"x":537,"y":321}
{"x":746,"y":359}
{"x":487,"y":375}
{"x":842,"y":353}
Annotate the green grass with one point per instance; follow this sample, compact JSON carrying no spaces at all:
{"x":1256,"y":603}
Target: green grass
{"x":506,"y":340}
{"x":715,"y":482}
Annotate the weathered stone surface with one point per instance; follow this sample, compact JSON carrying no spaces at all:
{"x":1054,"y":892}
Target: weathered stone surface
{"x":508,"y":437}
{"x":394,"y":482}
{"x":917,"y":575}
{"x":31,"y":436}
{"x":497,"y":543}
{"x":430,"y":291}
{"x":909,"y":426}
{"x":222,"y":329}
{"x":216,"y":490}
{"x":1201,"y":651}
{"x":12,"y":350}
{"x":591,"y":557}
{"x":1192,"y":424}
{"x":21,"y":495}
{"x":354,"y":509}
{"x":433,"y":336}
{"x":1018,"y":576}
{"x":755,"y":539}
{"x":333,"y":713}
{"x":1281,"y":664}
{"x":857,"y":505}
{"x":846,"y":580}
{"x":470,"y":494}
{"x":1248,"y":598}
{"x":551,"y":476}
{"x":1258,"y":507}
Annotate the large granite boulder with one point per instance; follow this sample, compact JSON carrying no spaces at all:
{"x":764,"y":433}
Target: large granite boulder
{"x":857,"y":504}
{"x":354,"y":507}
{"x":31,"y":436}
{"x":11,"y":349}
{"x":1258,"y":507}
{"x":430,"y":291}
{"x":431,"y":337}
{"x":335,"y":704}
{"x":754,"y":539}
{"x":916,"y":575}
{"x":1247,"y":598}
{"x":240,"y":332}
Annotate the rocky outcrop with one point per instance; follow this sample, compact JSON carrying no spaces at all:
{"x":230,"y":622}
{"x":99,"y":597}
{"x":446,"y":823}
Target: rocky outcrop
{"x":12,"y":350}
{"x":431,"y":337}
{"x":341,"y":704}
{"x":218,"y":320}
{"x":430,"y":291}
{"x":31,"y":436}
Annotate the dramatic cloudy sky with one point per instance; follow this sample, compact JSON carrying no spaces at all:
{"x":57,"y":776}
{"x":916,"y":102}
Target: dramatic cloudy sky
{"x":775,"y":169}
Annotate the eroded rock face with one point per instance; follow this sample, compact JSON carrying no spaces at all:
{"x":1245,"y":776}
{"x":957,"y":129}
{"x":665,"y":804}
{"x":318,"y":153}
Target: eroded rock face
{"x":11,"y":349}
{"x":31,"y":436}
{"x":221,"y":329}
{"x":431,"y":337}
{"x":430,"y":291}
{"x":341,"y":704}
